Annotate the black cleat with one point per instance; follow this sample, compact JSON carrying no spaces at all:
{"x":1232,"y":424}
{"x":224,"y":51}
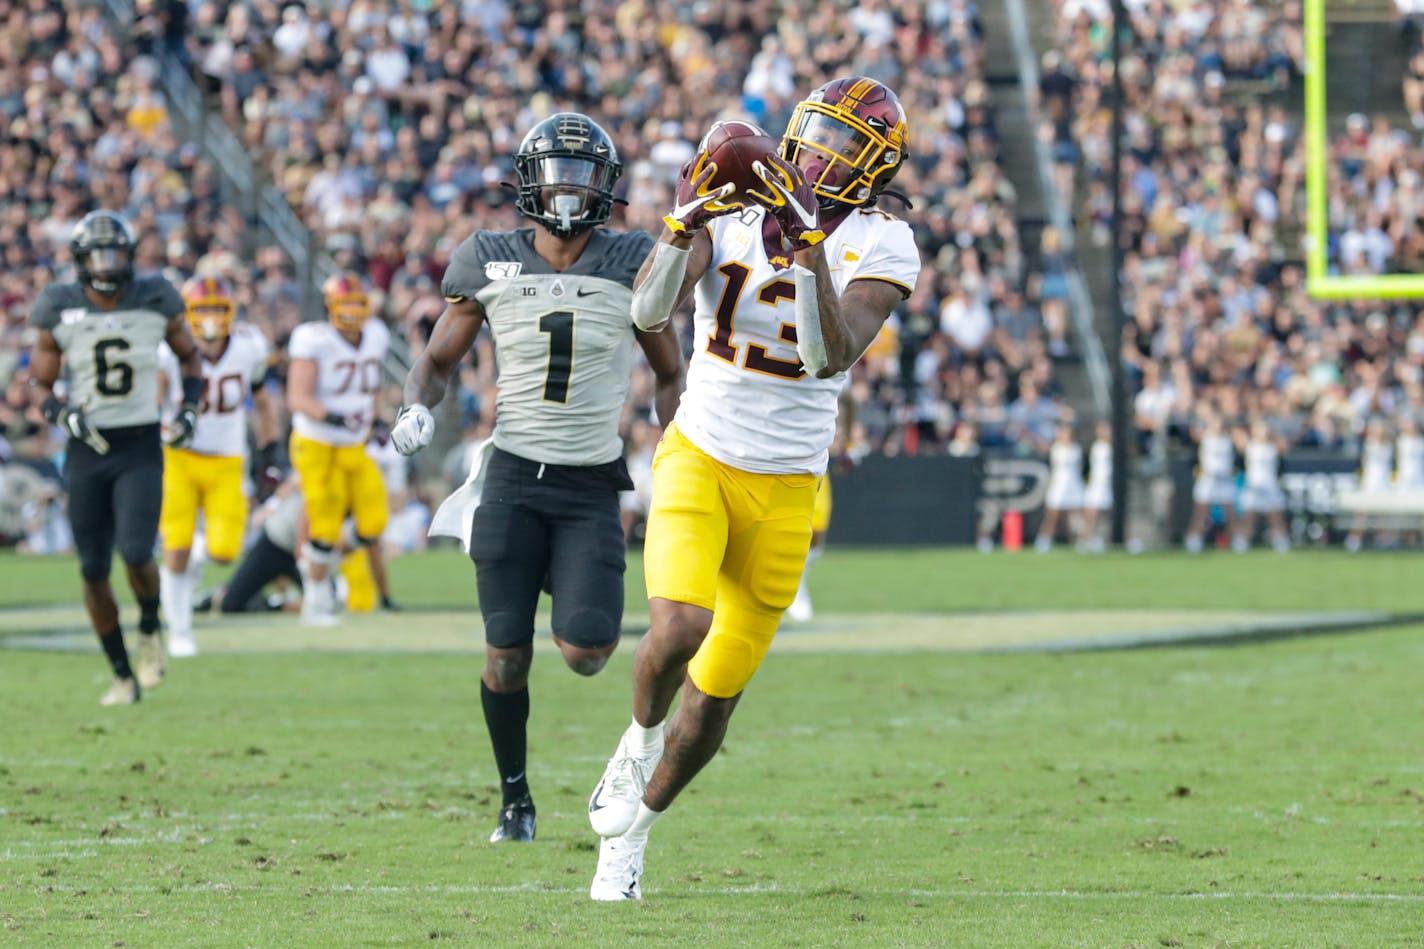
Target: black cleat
{"x":516,"y":822}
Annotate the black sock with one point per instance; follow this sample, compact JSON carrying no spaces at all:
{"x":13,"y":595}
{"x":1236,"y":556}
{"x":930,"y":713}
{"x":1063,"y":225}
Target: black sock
{"x":113,"y":643}
{"x":507,"y":717}
{"x":148,"y":616}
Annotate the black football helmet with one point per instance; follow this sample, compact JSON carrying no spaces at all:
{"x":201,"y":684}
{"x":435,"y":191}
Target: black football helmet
{"x":567,"y":167}
{"x":103,"y":248}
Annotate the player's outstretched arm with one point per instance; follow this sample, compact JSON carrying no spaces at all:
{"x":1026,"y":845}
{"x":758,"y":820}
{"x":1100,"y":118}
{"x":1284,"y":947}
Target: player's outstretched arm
{"x":681,"y":255}
{"x":450,"y":340}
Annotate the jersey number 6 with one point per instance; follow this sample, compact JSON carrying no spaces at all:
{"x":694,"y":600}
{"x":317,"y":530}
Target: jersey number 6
{"x":112,"y":377}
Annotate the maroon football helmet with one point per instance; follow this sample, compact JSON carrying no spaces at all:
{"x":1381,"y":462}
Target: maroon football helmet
{"x":850,"y":137}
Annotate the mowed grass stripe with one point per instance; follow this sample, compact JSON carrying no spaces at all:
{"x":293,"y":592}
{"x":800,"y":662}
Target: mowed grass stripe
{"x":1265,"y":794}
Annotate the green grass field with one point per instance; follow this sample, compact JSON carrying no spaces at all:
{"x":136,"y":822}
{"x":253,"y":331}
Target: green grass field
{"x":303,"y":792}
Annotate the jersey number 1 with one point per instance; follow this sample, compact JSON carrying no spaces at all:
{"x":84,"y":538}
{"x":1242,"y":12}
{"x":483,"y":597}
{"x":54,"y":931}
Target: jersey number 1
{"x":560,"y":326}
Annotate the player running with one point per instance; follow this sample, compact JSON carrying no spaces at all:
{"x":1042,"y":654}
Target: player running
{"x":207,"y":475}
{"x":105,"y":328}
{"x":557,"y":298}
{"x":789,"y":293}
{"x":333,"y":391}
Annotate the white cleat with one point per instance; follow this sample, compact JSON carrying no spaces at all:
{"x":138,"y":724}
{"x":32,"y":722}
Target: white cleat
{"x":614,"y":803}
{"x":800,"y":610}
{"x":152,"y":662}
{"x":121,"y":692}
{"x":620,"y":864}
{"x":181,"y":646}
{"x":318,"y":605}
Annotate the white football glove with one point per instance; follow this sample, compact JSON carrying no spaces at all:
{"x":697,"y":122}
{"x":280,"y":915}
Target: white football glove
{"x":413,"y":430}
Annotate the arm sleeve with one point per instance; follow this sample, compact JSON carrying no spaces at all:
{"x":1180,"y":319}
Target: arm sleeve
{"x":465,"y":277}
{"x":894,"y":258}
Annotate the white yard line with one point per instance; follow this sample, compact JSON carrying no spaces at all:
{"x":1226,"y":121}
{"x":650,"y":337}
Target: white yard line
{"x":771,"y":889}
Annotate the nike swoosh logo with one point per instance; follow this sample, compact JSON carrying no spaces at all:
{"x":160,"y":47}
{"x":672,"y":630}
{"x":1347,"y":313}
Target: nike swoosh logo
{"x":681,"y":210}
{"x":585,"y":293}
{"x":808,"y":218}
{"x":593,"y":804}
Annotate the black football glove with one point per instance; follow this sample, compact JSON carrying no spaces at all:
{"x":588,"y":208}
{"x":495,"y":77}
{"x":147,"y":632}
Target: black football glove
{"x":182,"y":429}
{"x":75,"y":424}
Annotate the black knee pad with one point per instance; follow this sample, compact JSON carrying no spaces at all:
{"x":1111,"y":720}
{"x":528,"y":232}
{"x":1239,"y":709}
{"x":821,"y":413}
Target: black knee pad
{"x":507,"y":630}
{"x":94,"y":568}
{"x":135,"y":555}
{"x":589,"y":628}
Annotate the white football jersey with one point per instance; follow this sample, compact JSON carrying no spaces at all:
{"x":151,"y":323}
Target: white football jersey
{"x":1262,"y":465}
{"x":1376,"y":465}
{"x":748,"y":402}
{"x":347,"y":377}
{"x":1409,"y":452}
{"x":1100,"y":464}
{"x":227,"y":384}
{"x":1065,"y":464}
{"x":1216,"y":456}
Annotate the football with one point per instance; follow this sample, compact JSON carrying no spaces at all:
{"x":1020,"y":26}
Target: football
{"x":734,"y":146}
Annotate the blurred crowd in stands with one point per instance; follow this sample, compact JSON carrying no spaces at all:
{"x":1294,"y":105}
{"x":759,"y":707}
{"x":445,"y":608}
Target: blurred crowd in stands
{"x":389,"y":127}
{"x":1213,"y":220}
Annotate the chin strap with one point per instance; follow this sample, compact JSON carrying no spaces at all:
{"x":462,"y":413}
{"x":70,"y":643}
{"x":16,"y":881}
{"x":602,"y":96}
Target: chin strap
{"x":810,"y":344}
{"x":655,"y":298}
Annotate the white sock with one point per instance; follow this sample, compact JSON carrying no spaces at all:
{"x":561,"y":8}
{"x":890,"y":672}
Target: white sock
{"x":643,"y":822}
{"x":643,"y":741}
{"x":176,"y":597}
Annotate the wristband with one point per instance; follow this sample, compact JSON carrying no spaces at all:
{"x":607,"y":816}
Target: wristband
{"x":52,"y":409}
{"x":193,"y":392}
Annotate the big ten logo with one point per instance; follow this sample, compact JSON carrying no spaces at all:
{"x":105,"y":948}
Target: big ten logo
{"x":1012,"y":484}
{"x":1315,"y":492}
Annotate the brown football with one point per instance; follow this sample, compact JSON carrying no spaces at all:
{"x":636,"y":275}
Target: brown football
{"x":734,"y":146}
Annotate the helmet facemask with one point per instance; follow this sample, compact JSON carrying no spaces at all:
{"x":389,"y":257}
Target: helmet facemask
{"x":567,"y":168}
{"x":210,"y":308}
{"x":103,"y":249}
{"x":847,"y":149}
{"x":348,"y":306}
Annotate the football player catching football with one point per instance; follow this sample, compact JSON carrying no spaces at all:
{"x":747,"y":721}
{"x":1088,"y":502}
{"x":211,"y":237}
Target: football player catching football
{"x":791,"y":286}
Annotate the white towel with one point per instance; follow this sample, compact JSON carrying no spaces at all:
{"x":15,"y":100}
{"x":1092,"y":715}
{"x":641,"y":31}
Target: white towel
{"x":455,"y":516}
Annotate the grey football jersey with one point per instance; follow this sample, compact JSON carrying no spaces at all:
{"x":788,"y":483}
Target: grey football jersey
{"x":111,"y":356}
{"x":563,"y":339}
